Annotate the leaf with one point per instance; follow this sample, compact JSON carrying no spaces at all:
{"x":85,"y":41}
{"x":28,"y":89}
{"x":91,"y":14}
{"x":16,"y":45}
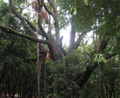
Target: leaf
{"x":86,"y":2}
{"x":99,"y":58}
{"x":1,"y":1}
{"x":75,"y":11}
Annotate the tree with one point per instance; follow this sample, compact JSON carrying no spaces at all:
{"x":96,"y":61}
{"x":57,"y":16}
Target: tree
{"x":83,"y":16}
{"x":16,"y":66}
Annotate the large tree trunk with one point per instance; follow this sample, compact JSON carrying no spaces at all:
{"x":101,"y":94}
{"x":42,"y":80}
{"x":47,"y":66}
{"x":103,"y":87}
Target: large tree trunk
{"x":72,"y":39}
{"x":85,"y":76}
{"x":56,"y":53}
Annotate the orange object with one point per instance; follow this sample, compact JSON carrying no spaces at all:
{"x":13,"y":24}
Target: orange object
{"x":48,"y":55}
{"x":44,"y":13}
{"x":42,"y":60}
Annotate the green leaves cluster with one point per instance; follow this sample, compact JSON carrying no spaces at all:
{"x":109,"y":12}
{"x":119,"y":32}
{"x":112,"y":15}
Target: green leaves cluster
{"x":62,"y":73}
{"x":99,"y":58}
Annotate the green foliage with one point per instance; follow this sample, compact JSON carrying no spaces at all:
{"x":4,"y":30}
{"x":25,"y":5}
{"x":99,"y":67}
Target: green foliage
{"x":62,"y":73}
{"x":3,"y":12}
{"x":16,"y":68}
{"x":99,"y":58}
{"x":16,"y":54}
{"x":1,"y":2}
{"x":86,"y":15}
{"x":18,"y":2}
{"x":109,"y":80}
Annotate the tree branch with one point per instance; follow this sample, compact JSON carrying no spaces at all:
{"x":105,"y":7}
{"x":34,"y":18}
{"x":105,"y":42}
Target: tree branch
{"x":72,"y":39}
{"x":21,"y":18}
{"x":77,"y":43}
{"x":83,"y":78}
{"x":33,"y":27}
{"x":110,"y":55}
{"x":103,"y":44}
{"x":49,"y":24}
{"x":55,"y":17}
{"x":23,"y":21}
{"x":47,"y":9}
{"x":11,"y":31}
{"x":42,"y":29}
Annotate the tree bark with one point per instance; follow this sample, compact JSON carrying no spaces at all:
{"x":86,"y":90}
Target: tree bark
{"x":99,"y":81}
{"x":45,"y":86}
{"x":38,"y":59}
{"x":72,"y":39}
{"x":86,"y":75}
{"x":55,"y":50}
{"x":82,"y":79}
{"x":102,"y":82}
{"x":56,"y":23}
